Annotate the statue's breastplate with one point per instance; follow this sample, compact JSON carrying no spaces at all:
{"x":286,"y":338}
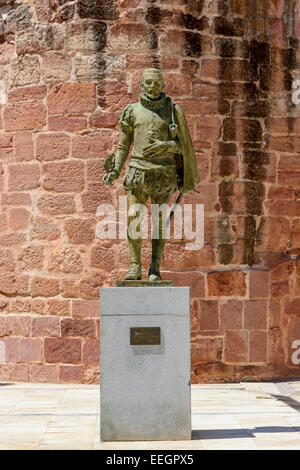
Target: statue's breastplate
{"x":149,"y":124}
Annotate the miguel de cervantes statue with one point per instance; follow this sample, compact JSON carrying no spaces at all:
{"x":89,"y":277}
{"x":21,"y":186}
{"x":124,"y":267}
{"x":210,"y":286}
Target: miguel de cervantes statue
{"x":162,"y":160}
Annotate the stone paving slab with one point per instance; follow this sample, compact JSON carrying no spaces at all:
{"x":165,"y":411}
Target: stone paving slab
{"x":247,"y":415}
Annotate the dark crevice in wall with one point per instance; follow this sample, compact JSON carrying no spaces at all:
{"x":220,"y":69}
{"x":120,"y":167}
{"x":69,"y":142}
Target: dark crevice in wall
{"x":226,"y":48}
{"x":257,"y":109}
{"x":289,"y":54}
{"x":244,"y":102}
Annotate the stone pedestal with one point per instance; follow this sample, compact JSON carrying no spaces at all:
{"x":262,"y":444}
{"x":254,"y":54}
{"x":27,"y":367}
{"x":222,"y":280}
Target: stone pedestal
{"x":145,"y":364}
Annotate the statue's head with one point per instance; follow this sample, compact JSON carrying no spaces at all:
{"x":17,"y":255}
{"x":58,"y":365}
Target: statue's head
{"x":152,"y":83}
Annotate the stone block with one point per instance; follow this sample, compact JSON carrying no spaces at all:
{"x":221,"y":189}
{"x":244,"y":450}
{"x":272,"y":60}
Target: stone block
{"x":145,"y":389}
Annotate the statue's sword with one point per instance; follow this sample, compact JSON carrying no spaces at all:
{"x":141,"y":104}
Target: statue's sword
{"x":180,"y":196}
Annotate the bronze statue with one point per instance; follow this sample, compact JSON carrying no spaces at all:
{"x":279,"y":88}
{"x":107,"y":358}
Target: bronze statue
{"x":162,"y":161}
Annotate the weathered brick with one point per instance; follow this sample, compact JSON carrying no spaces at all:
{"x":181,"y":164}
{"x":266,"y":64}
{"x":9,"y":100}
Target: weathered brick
{"x":65,"y":260}
{"x":229,"y":47}
{"x":32,"y":257}
{"x":52,"y":146}
{"x":91,"y":351}
{"x":24,"y":116}
{"x":93,"y":67}
{"x":104,"y":119}
{"x":44,"y":10}
{"x":72,"y":97}
{"x":18,"y":218}
{"x":206,"y":350}
{"x":44,"y":229}
{"x":184,"y":43}
{"x":6,"y":145}
{"x":231,"y":314}
{"x":128,"y":37}
{"x":20,"y":305}
{"x":285,"y":208}
{"x":289,"y":144}
{"x":44,"y":287}
{"x":7,"y":260}
{"x":228,"y":69}
{"x":43,"y":373}
{"x":236,"y":346}
{"x":65,"y":13}
{"x":31,"y":350}
{"x":242,"y":130}
{"x":289,"y":171}
{"x":56,"y":66}
{"x":208,"y":128}
{"x":92,"y":145}
{"x":23,"y":177}
{"x":79,"y":231}
{"x":274,"y":233}
{"x":85,"y":308}
{"x":73,"y":327}
{"x":280,"y":289}
{"x":10,"y":284}
{"x":67,"y":123}
{"x":89,"y":286}
{"x":64,"y":350}
{"x":259,"y":284}
{"x":56,"y":204}
{"x":177,"y":257}
{"x":86,"y":36}
{"x":226,"y":283}
{"x":194,"y":280}
{"x":11,"y":239}
{"x":255,"y":314}
{"x":292,"y":307}
{"x":16,"y":199}
{"x":94,"y":195}
{"x":25,"y":70}
{"x":294,"y":329}
{"x":71,"y":374}
{"x":39,"y":38}
{"x":209,"y":315}
{"x":227,"y":27}
{"x":64,"y":176}
{"x":45,"y":326}
{"x":19,"y":373}
{"x":69,"y":288}
{"x":97,"y":10}
{"x":23,"y":145}
{"x":258,"y":346}
{"x":142,"y":61}
{"x":11,"y":349}
{"x":27,"y":93}
{"x":58,"y":307}
{"x":17,"y":325}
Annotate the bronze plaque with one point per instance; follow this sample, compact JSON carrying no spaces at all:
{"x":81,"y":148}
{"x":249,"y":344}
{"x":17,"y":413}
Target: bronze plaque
{"x":144,"y":336}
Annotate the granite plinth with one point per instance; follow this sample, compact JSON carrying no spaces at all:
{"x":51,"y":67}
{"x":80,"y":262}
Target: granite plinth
{"x":145,"y":388}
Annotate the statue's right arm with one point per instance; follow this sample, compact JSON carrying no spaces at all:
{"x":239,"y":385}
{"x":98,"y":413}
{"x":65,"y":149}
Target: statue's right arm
{"x":122,"y":151}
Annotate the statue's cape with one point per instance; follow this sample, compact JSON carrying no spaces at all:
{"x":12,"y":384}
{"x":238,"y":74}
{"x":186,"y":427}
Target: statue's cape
{"x":191,"y":175}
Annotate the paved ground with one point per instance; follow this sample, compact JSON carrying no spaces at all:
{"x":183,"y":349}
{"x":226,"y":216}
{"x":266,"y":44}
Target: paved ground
{"x":224,"y":416}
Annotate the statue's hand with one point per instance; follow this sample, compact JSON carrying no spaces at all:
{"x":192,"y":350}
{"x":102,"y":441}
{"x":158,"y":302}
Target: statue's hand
{"x":155,"y":147}
{"x":110,"y":177}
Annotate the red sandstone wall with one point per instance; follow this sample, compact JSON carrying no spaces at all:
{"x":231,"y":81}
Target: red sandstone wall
{"x":67,"y":69}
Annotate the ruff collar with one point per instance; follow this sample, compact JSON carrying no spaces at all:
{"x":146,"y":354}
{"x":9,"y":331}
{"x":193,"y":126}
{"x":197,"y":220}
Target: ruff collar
{"x":154,"y":104}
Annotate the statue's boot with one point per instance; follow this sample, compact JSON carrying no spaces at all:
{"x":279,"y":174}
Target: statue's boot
{"x":135,"y":270}
{"x":154,"y":268}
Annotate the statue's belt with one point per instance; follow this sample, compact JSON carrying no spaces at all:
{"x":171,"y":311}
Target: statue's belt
{"x":147,"y":163}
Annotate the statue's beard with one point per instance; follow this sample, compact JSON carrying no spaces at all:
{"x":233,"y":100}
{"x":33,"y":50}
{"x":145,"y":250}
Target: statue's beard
{"x":154,"y":98}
